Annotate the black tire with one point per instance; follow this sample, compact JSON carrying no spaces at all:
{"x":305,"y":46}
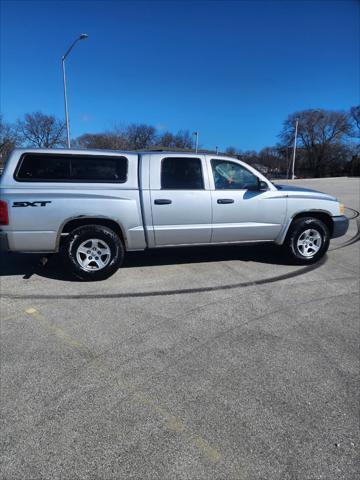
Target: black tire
{"x":103,"y":262}
{"x":314,"y":249}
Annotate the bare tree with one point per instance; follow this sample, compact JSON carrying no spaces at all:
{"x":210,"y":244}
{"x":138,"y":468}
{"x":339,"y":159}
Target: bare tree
{"x":275,"y":158}
{"x":249,"y":156}
{"x":182,"y":140}
{"x":8,"y":140}
{"x":231,"y":151}
{"x":140,"y":136}
{"x":114,"y":140}
{"x":355,"y":118}
{"x":39,"y":130}
{"x":134,"y":137}
{"x":318,"y":132}
{"x":166,"y":140}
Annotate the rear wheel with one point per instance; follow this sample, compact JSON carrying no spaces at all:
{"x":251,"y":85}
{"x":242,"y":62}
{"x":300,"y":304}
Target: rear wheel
{"x":308,"y":240}
{"x":93,"y":252}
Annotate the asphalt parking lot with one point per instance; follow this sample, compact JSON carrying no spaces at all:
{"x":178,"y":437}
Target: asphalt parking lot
{"x":211,"y":363}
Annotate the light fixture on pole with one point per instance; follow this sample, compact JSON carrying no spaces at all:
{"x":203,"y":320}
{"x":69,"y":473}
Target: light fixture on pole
{"x":83,"y":36}
{"x":196,"y":141}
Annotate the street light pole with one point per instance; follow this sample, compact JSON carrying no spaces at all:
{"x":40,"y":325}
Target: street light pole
{"x":66,"y":106}
{"x":196,"y":141}
{"x":83,"y":36}
{"x":294,"y":150}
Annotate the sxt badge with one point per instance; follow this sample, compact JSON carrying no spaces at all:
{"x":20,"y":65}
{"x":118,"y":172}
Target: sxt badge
{"x":39,"y":203}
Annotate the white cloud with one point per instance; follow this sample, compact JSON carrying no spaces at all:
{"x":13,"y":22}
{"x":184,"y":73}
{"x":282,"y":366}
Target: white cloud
{"x":160,"y":126}
{"x":85,"y":117}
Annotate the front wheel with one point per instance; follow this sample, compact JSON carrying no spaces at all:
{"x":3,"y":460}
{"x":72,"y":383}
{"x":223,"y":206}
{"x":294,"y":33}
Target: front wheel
{"x":93,"y":252}
{"x":308,"y":240}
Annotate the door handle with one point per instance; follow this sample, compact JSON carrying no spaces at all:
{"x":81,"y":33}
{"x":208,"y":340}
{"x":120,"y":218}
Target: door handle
{"x":225,"y":200}
{"x":162,"y":201}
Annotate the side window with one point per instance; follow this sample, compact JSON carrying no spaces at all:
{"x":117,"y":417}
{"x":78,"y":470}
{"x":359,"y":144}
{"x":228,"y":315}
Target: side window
{"x":108,"y":169}
{"x":181,"y":173}
{"x":71,"y":168}
{"x":44,"y":167}
{"x":231,"y":175}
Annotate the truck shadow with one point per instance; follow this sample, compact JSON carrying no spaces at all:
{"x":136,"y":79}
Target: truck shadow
{"x":265,"y":253}
{"x":27,"y":265}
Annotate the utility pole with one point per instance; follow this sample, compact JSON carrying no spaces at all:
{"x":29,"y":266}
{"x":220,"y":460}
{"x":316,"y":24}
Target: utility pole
{"x":196,"y":141}
{"x":294,"y":150}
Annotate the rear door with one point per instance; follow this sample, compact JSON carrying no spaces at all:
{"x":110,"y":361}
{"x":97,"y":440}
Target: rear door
{"x":180,"y":200}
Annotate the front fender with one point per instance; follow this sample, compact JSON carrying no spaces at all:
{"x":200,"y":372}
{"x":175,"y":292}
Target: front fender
{"x":282,"y":235}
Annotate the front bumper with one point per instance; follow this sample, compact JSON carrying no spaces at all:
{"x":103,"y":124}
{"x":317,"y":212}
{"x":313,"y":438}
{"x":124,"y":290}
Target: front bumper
{"x":341,"y":225}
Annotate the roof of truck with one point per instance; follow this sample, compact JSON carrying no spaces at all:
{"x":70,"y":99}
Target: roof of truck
{"x":74,"y":151}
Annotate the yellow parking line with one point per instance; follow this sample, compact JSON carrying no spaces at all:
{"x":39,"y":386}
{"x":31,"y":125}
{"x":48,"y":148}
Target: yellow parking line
{"x":9,"y":317}
{"x":171,"y":422}
{"x":59,"y":332}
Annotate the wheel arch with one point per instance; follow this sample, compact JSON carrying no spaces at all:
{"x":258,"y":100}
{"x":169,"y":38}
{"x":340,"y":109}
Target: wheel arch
{"x":322,"y":215}
{"x":71,"y":223}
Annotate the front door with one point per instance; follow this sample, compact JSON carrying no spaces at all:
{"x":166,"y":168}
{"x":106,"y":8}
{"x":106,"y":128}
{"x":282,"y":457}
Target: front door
{"x":180,"y":201}
{"x":240,"y":213}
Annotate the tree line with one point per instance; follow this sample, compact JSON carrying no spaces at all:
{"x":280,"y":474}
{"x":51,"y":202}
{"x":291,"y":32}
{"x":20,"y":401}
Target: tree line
{"x":327,"y":141}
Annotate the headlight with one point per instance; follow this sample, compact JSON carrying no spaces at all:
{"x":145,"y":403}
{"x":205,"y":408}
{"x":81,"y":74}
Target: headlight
{"x":342,"y":208}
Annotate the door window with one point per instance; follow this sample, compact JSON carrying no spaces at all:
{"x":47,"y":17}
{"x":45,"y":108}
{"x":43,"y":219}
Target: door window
{"x":231,"y":175}
{"x":181,"y":173}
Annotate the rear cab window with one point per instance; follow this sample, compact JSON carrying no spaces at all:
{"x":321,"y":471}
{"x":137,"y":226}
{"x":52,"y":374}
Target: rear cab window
{"x":37,"y":167}
{"x":181,"y":173}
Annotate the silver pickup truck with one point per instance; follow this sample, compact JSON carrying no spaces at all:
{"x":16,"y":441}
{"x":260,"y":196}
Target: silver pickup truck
{"x":93,"y":206}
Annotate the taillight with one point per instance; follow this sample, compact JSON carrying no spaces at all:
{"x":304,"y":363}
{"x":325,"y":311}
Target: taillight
{"x":4,"y":214}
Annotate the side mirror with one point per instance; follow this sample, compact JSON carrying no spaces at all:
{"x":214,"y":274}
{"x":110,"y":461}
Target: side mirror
{"x":263,"y":186}
{"x":260,"y":186}
{"x":253,"y":187}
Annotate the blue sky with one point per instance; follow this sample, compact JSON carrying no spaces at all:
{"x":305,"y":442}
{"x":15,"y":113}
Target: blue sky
{"x":233,"y":70}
